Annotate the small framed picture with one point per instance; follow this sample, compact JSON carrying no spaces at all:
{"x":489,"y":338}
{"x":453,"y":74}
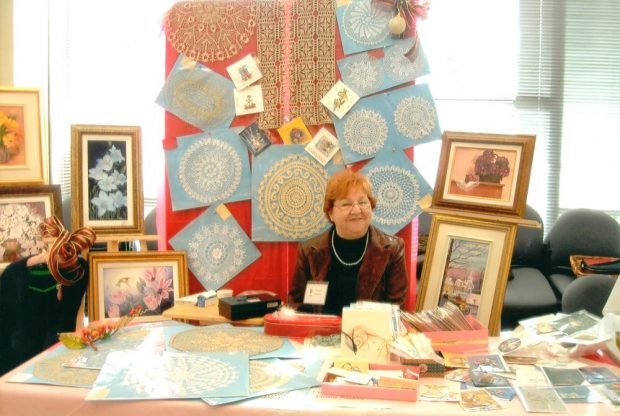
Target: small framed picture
{"x":295,"y":132}
{"x":484,"y":172}
{"x":106,"y":192}
{"x":254,"y":138}
{"x":244,"y":72}
{"x":467,"y":264}
{"x":120,"y":281}
{"x":249,"y":100}
{"x":24,"y":153}
{"x":323,"y":146}
{"x":22,"y":209}
{"x":339,"y":99}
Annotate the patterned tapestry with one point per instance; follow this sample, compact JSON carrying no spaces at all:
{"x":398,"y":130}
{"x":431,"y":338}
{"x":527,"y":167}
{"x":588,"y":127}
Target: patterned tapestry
{"x":295,"y":40}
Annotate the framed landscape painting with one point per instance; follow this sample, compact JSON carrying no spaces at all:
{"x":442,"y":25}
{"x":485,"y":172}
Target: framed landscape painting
{"x":120,"y":281}
{"x":467,"y":263}
{"x":106,"y":192}
{"x":484,"y":172}
{"x":22,"y":209}
{"x":24,"y":152}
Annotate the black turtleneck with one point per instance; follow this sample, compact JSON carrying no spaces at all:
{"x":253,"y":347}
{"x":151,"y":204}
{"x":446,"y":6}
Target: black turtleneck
{"x":342,"y":289}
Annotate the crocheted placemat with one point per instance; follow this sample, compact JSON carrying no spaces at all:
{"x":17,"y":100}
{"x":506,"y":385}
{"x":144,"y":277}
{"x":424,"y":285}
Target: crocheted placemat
{"x":212,"y":339}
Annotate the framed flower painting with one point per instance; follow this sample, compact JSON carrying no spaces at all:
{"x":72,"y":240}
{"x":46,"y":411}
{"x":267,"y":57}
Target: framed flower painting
{"x":24,"y":149}
{"x":121,"y":281}
{"x":106,"y":192}
{"x":484,"y":172}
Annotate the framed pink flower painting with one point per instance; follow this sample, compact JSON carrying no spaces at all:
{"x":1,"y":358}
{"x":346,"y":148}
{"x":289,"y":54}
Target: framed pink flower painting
{"x":122,"y":281}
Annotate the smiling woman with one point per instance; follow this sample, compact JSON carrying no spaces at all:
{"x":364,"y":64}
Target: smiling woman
{"x":352,"y":260}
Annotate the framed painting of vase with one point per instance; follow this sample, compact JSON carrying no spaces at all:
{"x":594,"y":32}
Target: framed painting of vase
{"x":24,"y":152}
{"x":484,"y":172}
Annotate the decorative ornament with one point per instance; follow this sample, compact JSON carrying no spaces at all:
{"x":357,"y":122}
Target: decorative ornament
{"x":406,"y":13}
{"x":63,"y":254}
{"x":397,"y":25}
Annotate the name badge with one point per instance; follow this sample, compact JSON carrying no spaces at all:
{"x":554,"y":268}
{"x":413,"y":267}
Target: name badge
{"x":316,"y":293}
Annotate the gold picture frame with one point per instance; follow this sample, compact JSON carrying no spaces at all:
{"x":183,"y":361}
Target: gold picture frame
{"x":24,"y":152}
{"x":120,"y":281}
{"x":467,"y":262}
{"x":22,"y":209}
{"x":106,"y":192}
{"x":484,"y":172}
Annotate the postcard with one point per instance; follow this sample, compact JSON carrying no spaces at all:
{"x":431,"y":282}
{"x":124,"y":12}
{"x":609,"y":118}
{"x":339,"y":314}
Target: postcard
{"x":598,"y":375}
{"x":249,"y":100}
{"x":254,"y":138}
{"x":504,"y":393}
{"x":575,"y":322}
{"x":478,"y":399}
{"x":482,"y":379}
{"x":244,"y":72}
{"x":577,"y":394}
{"x":440,"y":392}
{"x":323,"y":146}
{"x":295,"y":132}
{"x":541,"y":399}
{"x":455,"y":359}
{"x":462,"y":375}
{"x":487,"y":363}
{"x":339,"y":99}
{"x":563,"y":376}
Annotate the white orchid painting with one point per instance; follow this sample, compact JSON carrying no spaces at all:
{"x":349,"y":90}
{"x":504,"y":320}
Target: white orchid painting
{"x":107,"y":180}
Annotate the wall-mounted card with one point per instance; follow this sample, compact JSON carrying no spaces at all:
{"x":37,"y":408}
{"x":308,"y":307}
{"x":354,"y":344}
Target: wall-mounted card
{"x":339,"y":99}
{"x":295,"y":132}
{"x":244,"y":72}
{"x":323,"y":146}
{"x":249,"y":100}
{"x":254,"y":138}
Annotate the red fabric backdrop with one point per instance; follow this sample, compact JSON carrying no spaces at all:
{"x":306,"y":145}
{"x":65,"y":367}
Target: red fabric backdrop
{"x":272,"y":271}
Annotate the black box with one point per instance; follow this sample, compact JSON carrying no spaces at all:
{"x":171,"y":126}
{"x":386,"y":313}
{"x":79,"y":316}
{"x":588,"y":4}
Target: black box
{"x":243,"y":307}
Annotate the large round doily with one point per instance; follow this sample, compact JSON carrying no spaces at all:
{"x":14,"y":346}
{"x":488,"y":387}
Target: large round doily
{"x":290,"y":197}
{"x":216,"y":253}
{"x":52,"y":369}
{"x":397,"y":191}
{"x":364,"y":23}
{"x":200,"y":96}
{"x":210,"y":170}
{"x":365,"y":131}
{"x":414,"y":117}
{"x":363,"y":74}
{"x":192,"y":376}
{"x":230,"y":339}
{"x":210,"y":31}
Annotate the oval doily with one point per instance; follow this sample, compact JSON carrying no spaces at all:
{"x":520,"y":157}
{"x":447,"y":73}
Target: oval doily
{"x":414,"y":117}
{"x":397,"y":191}
{"x":290,"y":197}
{"x":210,"y":31}
{"x":210,"y":170}
{"x":364,"y":23}
{"x":365,"y":131}
{"x":263,"y":377}
{"x":216,"y":252}
{"x":229,"y":339}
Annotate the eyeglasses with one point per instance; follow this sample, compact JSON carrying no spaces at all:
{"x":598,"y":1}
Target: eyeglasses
{"x":346,"y":205}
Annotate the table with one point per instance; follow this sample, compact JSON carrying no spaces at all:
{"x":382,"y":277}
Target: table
{"x":209,"y":315}
{"x":17,"y":399}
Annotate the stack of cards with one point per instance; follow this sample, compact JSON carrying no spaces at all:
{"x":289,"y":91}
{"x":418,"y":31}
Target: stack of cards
{"x":443,"y":318}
